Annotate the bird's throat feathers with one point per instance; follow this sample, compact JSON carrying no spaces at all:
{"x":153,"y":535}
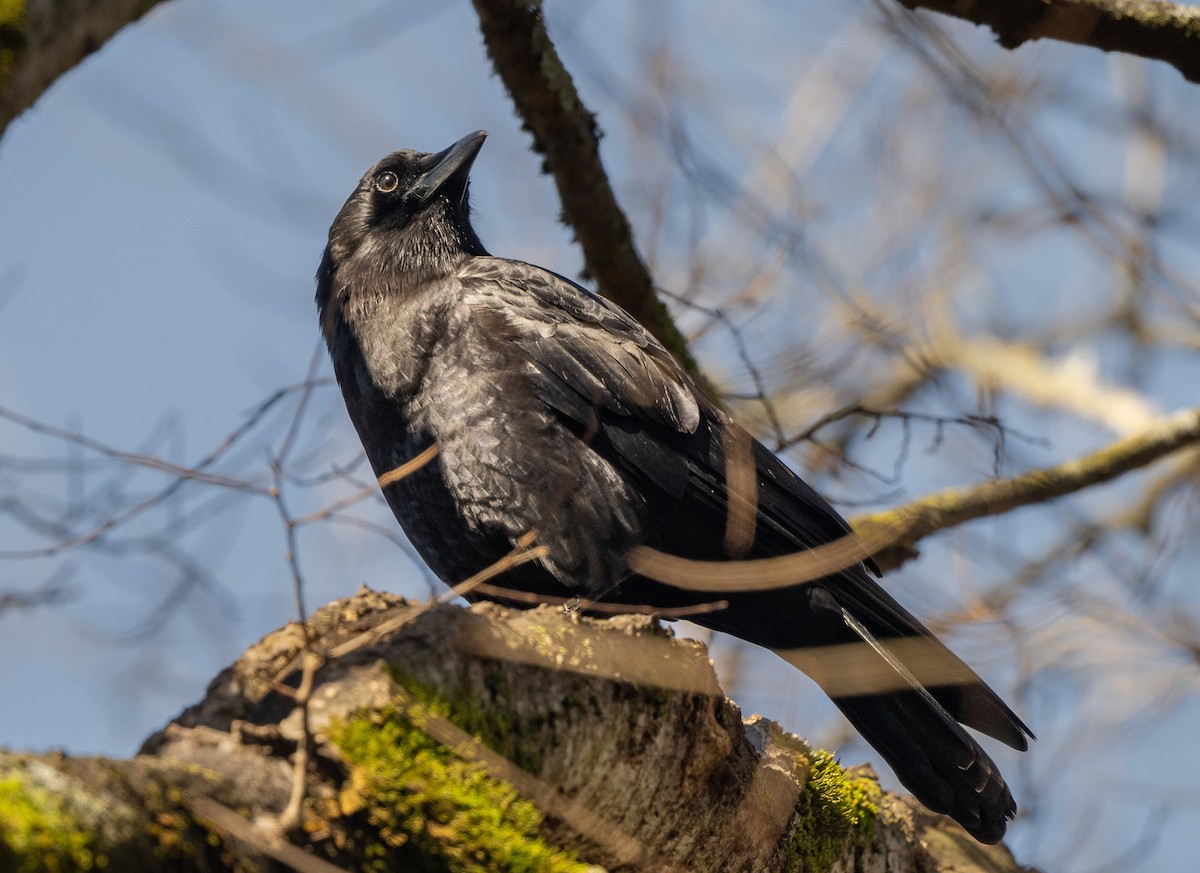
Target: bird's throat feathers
{"x":368,"y":265}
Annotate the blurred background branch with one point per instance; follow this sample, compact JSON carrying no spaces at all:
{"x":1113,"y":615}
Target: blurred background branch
{"x":1153,"y":29}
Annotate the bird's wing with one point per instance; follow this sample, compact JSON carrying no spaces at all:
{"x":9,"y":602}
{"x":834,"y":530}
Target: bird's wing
{"x":582,"y":343}
{"x":593,"y":363}
{"x":589,"y":356}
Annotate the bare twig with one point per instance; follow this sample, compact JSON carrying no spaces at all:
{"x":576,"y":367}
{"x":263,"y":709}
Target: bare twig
{"x":764,"y":574}
{"x":522,"y":554}
{"x":225,"y":819}
{"x":290,"y":818}
{"x":741,"y":478}
{"x":389,"y":478}
{"x":149,"y":461}
{"x":513,"y":595}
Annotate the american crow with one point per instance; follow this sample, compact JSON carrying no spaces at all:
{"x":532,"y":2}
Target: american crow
{"x":554,"y":410}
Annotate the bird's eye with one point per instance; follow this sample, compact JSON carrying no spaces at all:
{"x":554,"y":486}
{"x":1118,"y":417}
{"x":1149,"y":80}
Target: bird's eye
{"x":387,"y":182}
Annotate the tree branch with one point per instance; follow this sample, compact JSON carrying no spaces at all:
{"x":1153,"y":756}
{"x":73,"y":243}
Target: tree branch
{"x":950,"y":508}
{"x":42,"y":39}
{"x":1160,"y":31}
{"x":565,"y":132}
{"x":471,"y":739}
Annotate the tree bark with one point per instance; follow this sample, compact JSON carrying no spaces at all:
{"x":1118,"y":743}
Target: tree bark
{"x":1154,"y":29}
{"x":470,"y":740}
{"x":42,"y":39}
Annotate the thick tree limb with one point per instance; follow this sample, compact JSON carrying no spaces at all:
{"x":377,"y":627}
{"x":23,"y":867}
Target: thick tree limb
{"x":945,"y":509}
{"x":1160,"y":31}
{"x":470,"y":740}
{"x":565,"y":132}
{"x":42,"y":39}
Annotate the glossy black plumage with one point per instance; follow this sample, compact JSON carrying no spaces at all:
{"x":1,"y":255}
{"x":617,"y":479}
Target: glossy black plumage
{"x":554,"y":410}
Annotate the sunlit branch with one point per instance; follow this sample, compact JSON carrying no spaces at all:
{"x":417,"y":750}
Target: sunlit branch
{"x":890,"y":537}
{"x":513,"y":595}
{"x":950,"y":508}
{"x":741,"y":482}
{"x":1155,"y":29}
{"x":522,"y":554}
{"x":391,"y":477}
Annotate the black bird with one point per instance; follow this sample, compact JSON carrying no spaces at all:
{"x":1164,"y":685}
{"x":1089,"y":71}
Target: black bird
{"x":554,"y":410}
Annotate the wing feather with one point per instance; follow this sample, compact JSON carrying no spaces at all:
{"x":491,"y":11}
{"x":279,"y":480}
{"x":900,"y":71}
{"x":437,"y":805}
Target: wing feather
{"x":593,"y":363}
{"x":593,"y":347}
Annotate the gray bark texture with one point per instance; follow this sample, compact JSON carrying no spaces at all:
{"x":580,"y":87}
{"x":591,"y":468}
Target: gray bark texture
{"x":469,"y":739}
{"x":41,"y":40}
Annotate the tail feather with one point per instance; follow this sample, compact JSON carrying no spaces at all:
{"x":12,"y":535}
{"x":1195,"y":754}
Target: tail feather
{"x":931,"y":753}
{"x":984,"y":712}
{"x":935,"y":759}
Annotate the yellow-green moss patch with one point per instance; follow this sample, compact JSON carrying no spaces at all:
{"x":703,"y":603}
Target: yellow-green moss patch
{"x":492,"y":723}
{"x":435,"y":811}
{"x":12,"y":36}
{"x":836,"y":810}
{"x":38,"y":834}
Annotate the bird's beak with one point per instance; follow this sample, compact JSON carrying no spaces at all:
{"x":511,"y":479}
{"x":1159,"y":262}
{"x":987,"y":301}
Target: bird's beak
{"x":448,"y":166}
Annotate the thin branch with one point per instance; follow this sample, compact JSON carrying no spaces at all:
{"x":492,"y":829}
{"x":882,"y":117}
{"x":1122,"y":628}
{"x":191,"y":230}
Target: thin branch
{"x":292,"y":815}
{"x":225,"y":819}
{"x":148,"y":461}
{"x":388,"y":478}
{"x":1160,"y":31}
{"x":53,"y":590}
{"x":598,"y":607}
{"x":765,"y":574}
{"x":950,"y":508}
{"x":523,"y":553}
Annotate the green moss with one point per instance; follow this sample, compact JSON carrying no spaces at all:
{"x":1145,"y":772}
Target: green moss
{"x":12,"y":36}
{"x":836,"y":811}
{"x":38,"y":834}
{"x":435,"y":811}
{"x":493,"y":723}
{"x":12,"y":14}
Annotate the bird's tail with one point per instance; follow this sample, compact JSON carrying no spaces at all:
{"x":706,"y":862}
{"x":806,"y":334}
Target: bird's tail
{"x":935,"y":759}
{"x":907,"y":697}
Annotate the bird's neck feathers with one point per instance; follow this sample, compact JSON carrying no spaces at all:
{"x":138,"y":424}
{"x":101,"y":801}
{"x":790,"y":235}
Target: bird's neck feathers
{"x":384,"y":266}
{"x":430,"y":247}
{"x":403,"y":260}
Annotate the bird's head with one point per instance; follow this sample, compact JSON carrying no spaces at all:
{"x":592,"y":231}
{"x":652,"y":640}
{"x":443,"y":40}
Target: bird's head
{"x":409,"y":213}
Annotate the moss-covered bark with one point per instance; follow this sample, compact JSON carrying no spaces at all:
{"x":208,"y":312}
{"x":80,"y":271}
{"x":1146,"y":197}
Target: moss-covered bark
{"x":473,"y":739}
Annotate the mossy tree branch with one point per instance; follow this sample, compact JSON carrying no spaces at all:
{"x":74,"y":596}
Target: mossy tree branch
{"x":471,"y":740}
{"x":1160,"y":31}
{"x":950,"y":508}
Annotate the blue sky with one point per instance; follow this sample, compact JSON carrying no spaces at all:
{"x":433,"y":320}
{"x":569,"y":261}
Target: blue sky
{"x":165,"y":205}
